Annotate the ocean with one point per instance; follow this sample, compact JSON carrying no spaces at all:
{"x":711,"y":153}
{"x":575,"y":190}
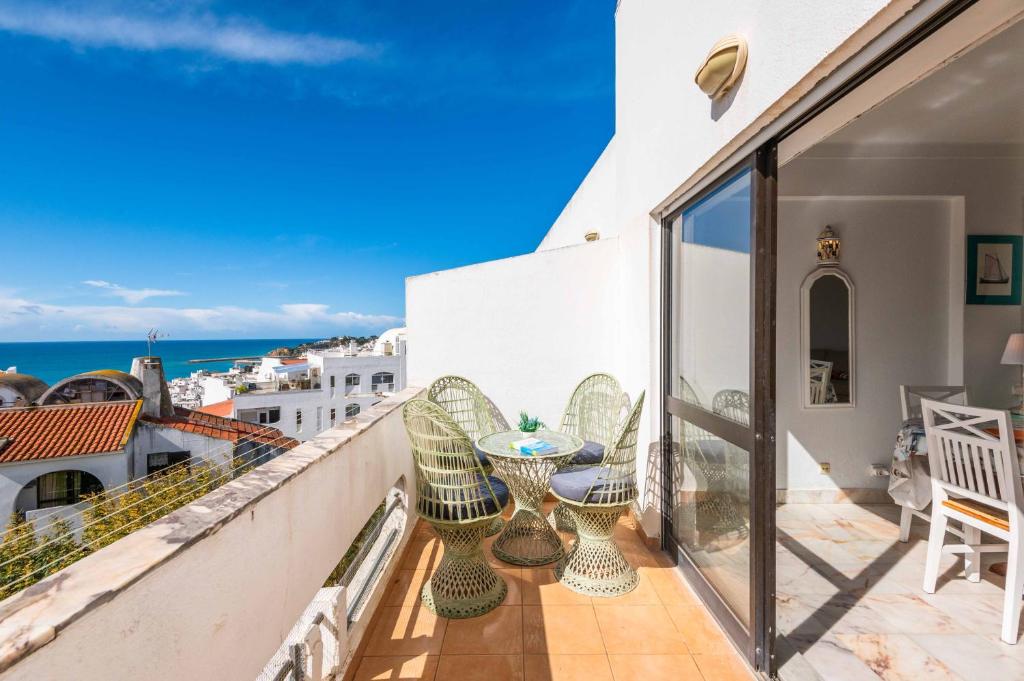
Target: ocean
{"x":52,"y":361}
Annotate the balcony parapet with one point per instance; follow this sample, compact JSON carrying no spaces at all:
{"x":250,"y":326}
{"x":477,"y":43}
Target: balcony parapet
{"x":212,"y":589}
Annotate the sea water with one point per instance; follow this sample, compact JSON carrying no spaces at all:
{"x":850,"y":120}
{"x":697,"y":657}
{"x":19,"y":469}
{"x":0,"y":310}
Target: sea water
{"x":52,"y":361}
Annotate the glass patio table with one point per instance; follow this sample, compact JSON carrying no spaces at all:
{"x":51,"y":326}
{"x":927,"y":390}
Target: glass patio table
{"x":528,"y":538}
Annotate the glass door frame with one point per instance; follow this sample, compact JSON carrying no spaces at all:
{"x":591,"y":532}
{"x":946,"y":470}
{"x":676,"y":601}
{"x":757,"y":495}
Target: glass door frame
{"x":757,"y":642}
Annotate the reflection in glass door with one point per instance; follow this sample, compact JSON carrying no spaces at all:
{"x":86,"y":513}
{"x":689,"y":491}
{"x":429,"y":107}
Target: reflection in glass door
{"x":713,"y":375}
{"x":712,"y":401}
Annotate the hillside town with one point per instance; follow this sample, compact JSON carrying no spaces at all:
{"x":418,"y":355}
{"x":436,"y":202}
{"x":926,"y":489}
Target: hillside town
{"x":103,"y":429}
{"x":300,"y":391}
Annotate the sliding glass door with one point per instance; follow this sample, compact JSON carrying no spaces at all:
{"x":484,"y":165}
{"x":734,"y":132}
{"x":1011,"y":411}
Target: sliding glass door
{"x":719,"y":398}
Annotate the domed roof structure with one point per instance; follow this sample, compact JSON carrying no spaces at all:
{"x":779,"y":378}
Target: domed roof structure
{"x":18,"y":390}
{"x":390,"y":336}
{"x":104,"y":385}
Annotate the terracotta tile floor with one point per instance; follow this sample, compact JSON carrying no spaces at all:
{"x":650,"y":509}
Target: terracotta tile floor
{"x":545,"y":632}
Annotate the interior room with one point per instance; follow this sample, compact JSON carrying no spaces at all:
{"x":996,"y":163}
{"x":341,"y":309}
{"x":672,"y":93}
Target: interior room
{"x":900,"y":230}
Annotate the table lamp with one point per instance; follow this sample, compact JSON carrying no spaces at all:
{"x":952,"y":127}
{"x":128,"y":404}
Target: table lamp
{"x":1014,"y":354}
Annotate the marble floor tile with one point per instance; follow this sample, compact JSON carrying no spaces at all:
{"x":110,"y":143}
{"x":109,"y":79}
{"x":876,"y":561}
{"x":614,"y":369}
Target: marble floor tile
{"x":980,"y":615}
{"x":895,"y":657}
{"x":830,"y":658}
{"x":973,"y":657}
{"x":910,"y":614}
{"x":850,"y":598}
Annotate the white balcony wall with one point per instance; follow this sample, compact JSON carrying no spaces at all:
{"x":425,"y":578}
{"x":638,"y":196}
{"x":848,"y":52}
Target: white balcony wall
{"x":525,"y":329}
{"x":591,"y":208}
{"x":210,"y":591}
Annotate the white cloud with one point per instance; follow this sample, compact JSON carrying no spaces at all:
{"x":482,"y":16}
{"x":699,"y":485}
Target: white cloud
{"x":233,"y":39}
{"x":22,"y":319}
{"x":132,"y":296}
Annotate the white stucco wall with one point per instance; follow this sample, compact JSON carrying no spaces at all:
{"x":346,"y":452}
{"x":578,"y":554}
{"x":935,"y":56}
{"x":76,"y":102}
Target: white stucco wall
{"x":525,"y":329}
{"x":990,"y":180}
{"x":666,"y":128}
{"x":110,"y":469}
{"x":897,"y":252}
{"x":214,"y":390}
{"x":666,"y":131}
{"x":150,"y":438}
{"x":590,"y":208}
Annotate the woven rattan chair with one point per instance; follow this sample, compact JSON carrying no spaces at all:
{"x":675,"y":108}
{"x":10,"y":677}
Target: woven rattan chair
{"x":474,"y":413}
{"x":733,"y":405}
{"x":596,"y":496}
{"x":721,"y":471}
{"x":595,"y":409}
{"x":456,"y":497}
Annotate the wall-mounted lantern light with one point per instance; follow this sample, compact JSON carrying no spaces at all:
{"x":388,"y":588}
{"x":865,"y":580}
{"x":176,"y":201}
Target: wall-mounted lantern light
{"x":828,"y":247}
{"x":592,"y":236}
{"x":723,"y":66}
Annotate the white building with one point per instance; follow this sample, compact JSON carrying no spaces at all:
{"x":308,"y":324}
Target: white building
{"x":304,"y":396}
{"x":103,"y":429}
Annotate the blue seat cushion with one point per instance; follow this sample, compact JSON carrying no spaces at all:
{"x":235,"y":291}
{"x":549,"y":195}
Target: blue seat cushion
{"x":574,"y":483}
{"x":467,"y":511}
{"x":591,"y":454}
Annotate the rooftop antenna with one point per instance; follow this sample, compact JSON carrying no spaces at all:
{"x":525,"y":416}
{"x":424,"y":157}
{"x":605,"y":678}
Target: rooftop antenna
{"x":152,"y":337}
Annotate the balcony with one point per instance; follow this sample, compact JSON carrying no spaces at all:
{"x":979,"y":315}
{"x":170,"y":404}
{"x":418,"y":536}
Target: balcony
{"x":544,"y":630}
{"x":230,"y":587}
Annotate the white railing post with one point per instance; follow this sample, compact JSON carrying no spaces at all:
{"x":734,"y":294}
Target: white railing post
{"x":339,"y":616}
{"x":314,"y":654}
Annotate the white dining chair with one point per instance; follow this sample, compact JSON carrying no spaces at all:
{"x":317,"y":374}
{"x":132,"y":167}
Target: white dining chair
{"x":820,"y":375}
{"x":910,"y":406}
{"x":975,"y":478}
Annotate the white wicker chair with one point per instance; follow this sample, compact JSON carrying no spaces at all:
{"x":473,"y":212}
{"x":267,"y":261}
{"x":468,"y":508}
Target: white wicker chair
{"x":459,"y":501}
{"x":595,"y":409}
{"x":596,"y":496}
{"x":475,"y":414}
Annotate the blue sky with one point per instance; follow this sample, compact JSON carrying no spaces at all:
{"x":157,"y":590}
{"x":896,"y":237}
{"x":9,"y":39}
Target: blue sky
{"x":262,"y":169}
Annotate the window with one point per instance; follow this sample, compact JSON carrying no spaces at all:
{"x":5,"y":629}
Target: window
{"x":319,"y":419}
{"x":158,"y":461}
{"x":351,"y":383}
{"x":65,"y":487}
{"x":332,"y":386}
{"x":264,"y":416}
{"x":298,"y":420}
{"x":334,"y":416}
{"x":383,"y":381}
{"x":351,"y":410}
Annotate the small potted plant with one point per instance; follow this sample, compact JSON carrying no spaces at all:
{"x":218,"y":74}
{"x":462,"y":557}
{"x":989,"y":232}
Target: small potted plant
{"x":529,"y":426}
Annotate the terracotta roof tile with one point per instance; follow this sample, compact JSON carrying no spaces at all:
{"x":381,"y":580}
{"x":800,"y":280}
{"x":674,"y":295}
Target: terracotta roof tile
{"x":224,"y":408}
{"x":66,"y":430}
{"x":222,"y":428}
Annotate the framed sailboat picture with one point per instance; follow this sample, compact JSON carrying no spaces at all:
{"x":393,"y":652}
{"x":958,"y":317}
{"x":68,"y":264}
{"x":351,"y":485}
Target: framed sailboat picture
{"x":994,"y":269}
